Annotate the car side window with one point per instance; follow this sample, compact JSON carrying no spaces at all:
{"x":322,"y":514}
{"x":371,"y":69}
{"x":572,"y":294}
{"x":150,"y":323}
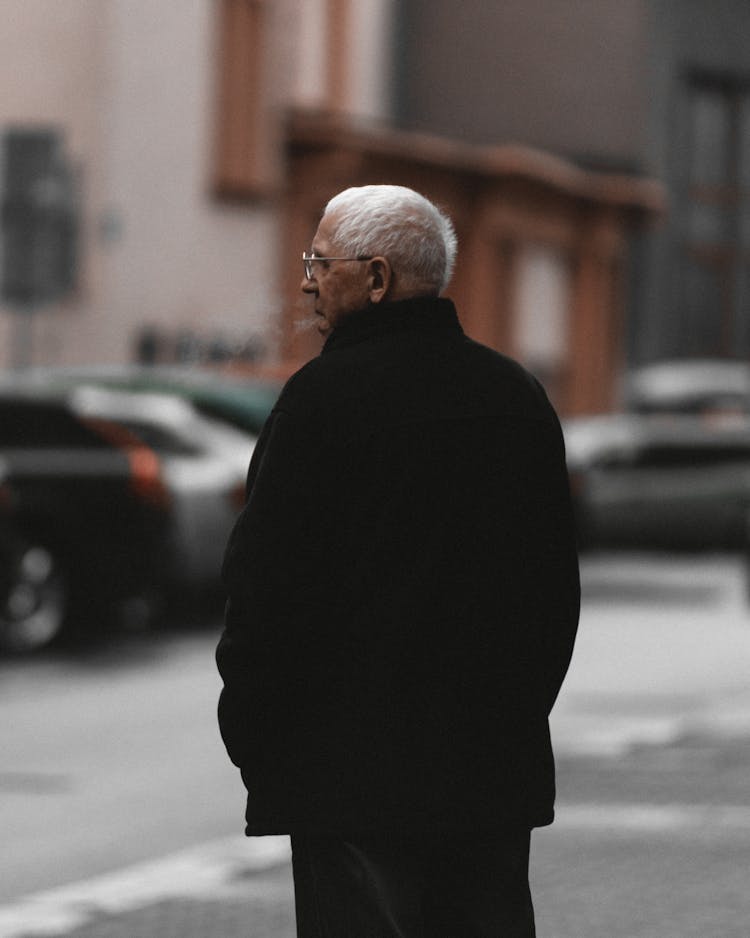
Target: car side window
{"x":689,"y":456}
{"x":28,"y":424}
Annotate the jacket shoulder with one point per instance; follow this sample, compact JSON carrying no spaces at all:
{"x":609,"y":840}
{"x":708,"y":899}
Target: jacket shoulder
{"x":304,"y":386}
{"x":515,"y":390}
{"x":319,"y":385}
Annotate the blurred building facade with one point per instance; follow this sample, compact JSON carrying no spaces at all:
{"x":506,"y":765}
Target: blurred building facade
{"x":205,"y":136}
{"x":129,"y":88}
{"x":656,"y":88}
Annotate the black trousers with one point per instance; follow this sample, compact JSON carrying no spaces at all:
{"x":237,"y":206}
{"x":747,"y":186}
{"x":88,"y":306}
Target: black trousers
{"x":426,"y":886}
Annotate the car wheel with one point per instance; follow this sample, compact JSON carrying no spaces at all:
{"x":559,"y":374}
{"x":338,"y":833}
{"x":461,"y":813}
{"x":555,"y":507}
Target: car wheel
{"x":34,"y":599}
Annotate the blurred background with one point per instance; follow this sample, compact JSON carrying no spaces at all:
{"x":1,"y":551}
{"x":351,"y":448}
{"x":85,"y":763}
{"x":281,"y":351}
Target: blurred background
{"x":163,"y":164}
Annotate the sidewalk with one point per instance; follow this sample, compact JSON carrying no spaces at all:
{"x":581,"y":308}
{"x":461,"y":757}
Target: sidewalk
{"x":608,"y":869}
{"x":649,"y":844}
{"x":663,"y":652}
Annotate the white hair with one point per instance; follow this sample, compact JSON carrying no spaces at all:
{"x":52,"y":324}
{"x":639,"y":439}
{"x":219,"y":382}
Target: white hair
{"x":416,"y":236}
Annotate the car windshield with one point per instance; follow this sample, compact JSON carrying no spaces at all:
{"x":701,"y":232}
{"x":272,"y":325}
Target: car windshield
{"x":39,"y":424}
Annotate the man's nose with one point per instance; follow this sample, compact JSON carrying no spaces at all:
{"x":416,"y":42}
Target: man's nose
{"x":308,"y":285}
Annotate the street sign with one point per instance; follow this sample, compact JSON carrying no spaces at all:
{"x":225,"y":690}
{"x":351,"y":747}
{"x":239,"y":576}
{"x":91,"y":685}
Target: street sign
{"x":39,"y":220}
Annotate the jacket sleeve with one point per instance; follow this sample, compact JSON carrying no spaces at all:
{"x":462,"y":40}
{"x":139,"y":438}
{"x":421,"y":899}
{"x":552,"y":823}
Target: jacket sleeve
{"x":561,"y":596}
{"x":277,"y":573}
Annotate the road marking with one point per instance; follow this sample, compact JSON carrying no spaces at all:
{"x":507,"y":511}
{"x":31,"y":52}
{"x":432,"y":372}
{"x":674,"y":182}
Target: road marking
{"x":653,"y":818}
{"x":576,"y":733}
{"x":198,"y":872}
{"x":593,"y":727}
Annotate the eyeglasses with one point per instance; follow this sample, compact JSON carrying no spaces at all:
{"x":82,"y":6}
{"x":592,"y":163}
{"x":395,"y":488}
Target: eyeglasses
{"x":309,"y":259}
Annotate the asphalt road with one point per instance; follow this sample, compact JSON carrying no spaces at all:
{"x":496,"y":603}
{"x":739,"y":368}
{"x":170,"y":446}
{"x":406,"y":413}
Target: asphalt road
{"x":109,"y":758}
{"x":112,"y":757}
{"x":652,"y":731}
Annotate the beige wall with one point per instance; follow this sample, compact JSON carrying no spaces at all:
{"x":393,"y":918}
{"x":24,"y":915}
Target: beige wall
{"x":131,"y":84}
{"x":46,"y":79}
{"x":183,"y":258}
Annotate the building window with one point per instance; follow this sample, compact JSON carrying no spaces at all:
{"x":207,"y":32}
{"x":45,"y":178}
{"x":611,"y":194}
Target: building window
{"x":541,"y":321}
{"x":243,"y":139}
{"x":714,"y":286}
{"x":255,"y":86}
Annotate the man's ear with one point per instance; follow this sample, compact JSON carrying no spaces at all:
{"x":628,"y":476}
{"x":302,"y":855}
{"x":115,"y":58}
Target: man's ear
{"x":380,"y":278}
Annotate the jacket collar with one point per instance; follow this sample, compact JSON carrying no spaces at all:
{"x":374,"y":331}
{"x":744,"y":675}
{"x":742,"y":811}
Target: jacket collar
{"x":421,"y":313}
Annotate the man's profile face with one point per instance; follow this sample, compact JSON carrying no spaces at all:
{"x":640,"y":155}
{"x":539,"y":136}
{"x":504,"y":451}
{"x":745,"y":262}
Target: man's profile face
{"x":339,"y":287}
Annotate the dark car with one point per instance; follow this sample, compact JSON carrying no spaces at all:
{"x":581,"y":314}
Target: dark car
{"x":82,"y":518}
{"x":671,"y":482}
{"x":112,"y":500}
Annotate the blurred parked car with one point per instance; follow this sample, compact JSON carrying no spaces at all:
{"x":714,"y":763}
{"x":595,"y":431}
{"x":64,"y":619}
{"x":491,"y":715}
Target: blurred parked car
{"x":689,"y":386}
{"x":242,"y":402}
{"x":671,"y":482}
{"x":111,"y":498}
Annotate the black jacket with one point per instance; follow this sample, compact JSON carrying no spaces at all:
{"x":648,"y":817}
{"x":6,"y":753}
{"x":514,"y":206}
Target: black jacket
{"x":403,"y":587}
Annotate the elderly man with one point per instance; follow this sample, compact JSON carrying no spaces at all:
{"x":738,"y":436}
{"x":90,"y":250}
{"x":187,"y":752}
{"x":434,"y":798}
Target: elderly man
{"x":403,"y":599}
